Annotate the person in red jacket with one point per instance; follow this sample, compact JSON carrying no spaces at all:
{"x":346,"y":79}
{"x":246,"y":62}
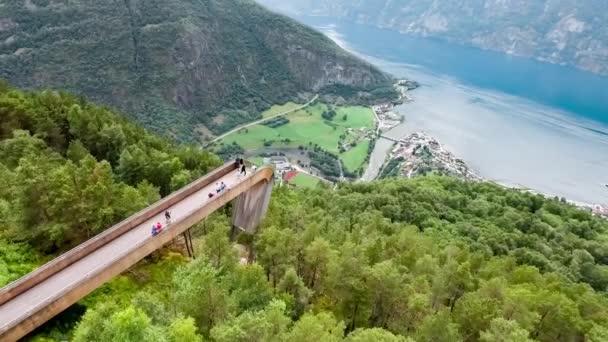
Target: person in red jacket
{"x":157,"y":228}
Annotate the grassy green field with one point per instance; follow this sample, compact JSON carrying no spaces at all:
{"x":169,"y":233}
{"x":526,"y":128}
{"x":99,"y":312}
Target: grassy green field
{"x":355,"y":157}
{"x":259,"y":161}
{"x":308,"y":127}
{"x":303,"y":180}
{"x":278,"y":109}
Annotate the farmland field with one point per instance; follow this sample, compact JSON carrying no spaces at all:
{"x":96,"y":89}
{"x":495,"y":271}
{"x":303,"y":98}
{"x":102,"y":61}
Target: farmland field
{"x":303,"y":180}
{"x":307,"y":127}
{"x":355,"y":157}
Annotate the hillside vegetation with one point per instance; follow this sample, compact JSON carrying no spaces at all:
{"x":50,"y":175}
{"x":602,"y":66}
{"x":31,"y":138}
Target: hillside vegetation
{"x":429,"y":259}
{"x":71,"y":169}
{"x":180,"y":67}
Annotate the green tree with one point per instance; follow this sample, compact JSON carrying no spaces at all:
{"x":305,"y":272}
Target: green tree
{"x":218,"y":249}
{"x":317,"y":256}
{"x":502,"y":330}
{"x":438,"y":328}
{"x":312,"y":328}
{"x":149,"y":303}
{"x":183,"y":330}
{"x":385,"y":282}
{"x":128,"y":324}
{"x":269,"y":324}
{"x":199,"y":294}
{"x":559,"y":317}
{"x":375,"y":335}
{"x":293,"y":285}
{"x":76,"y":151}
{"x":451,"y":283}
{"x":348,"y":287}
{"x":275,"y":251}
{"x":598,"y":334}
{"x":249,"y":288}
{"x":474,"y":312}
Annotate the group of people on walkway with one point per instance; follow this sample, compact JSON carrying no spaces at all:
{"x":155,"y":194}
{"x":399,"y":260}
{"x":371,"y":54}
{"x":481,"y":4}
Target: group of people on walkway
{"x":219,"y":187}
{"x":158,"y":227}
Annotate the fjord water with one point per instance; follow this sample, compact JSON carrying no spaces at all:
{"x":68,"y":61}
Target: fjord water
{"x":514,"y":120}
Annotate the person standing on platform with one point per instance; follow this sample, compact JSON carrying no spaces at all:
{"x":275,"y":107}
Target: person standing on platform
{"x":167,"y":216}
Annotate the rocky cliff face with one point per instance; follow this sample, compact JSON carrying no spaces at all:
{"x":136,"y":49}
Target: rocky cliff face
{"x":564,"y":32}
{"x":179,"y":66}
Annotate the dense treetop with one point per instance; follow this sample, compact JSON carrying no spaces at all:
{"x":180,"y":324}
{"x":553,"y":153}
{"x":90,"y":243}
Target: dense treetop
{"x":429,"y":259}
{"x":71,"y":169}
{"x":425,"y":259}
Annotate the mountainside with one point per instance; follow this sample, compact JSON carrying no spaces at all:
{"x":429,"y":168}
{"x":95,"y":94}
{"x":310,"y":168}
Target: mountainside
{"x":179,"y":66}
{"x":399,"y":260}
{"x":564,"y":32}
{"x":71,"y":169}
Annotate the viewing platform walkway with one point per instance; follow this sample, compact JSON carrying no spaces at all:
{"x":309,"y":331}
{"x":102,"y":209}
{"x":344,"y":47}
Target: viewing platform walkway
{"x":37,"y":297}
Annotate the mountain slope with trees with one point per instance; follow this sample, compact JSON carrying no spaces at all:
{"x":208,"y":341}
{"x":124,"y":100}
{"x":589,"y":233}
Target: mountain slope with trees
{"x":71,"y":169}
{"x":179,"y":67}
{"x":424,"y":259}
{"x":429,"y":259}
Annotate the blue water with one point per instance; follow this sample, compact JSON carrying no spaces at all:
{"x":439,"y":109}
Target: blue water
{"x":514,"y":120}
{"x":569,"y":89}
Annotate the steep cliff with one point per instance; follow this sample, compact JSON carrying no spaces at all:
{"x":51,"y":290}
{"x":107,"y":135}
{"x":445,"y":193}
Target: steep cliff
{"x":178,"y":66}
{"x":564,"y":32}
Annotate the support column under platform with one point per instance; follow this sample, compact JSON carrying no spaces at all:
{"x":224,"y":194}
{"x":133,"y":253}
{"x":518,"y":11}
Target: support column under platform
{"x":250,"y":207}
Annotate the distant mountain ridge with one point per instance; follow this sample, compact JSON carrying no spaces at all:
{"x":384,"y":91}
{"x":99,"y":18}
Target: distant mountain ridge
{"x":179,"y":66}
{"x":563,"y":32}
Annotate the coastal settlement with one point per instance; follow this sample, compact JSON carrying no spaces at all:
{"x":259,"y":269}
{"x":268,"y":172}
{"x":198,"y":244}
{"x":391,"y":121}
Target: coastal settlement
{"x":419,"y":154}
{"x":386,"y":117}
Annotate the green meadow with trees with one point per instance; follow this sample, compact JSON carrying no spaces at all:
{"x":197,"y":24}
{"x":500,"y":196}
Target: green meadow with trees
{"x":320,"y":124}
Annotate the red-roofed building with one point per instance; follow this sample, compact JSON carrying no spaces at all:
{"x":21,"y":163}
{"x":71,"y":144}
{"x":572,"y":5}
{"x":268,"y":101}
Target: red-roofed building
{"x":287,"y":176}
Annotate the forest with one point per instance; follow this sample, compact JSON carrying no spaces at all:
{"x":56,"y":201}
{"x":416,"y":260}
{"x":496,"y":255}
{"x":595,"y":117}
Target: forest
{"x":71,"y":169}
{"x":424,"y":259}
{"x":428,"y":259}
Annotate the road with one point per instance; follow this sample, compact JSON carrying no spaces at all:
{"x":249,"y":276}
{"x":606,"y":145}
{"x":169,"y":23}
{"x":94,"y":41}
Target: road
{"x":43,"y":295}
{"x":261,"y":120}
{"x":378,"y":121}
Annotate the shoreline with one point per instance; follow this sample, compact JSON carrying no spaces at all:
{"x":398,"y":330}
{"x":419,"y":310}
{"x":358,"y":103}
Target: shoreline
{"x":419,"y":154}
{"x":404,"y":152}
{"x":386,"y":117}
{"x":387,"y":120}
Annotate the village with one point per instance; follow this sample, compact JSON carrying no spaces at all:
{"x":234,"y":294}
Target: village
{"x":385,"y":115}
{"x":420,"y":154}
{"x":600,"y":210}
